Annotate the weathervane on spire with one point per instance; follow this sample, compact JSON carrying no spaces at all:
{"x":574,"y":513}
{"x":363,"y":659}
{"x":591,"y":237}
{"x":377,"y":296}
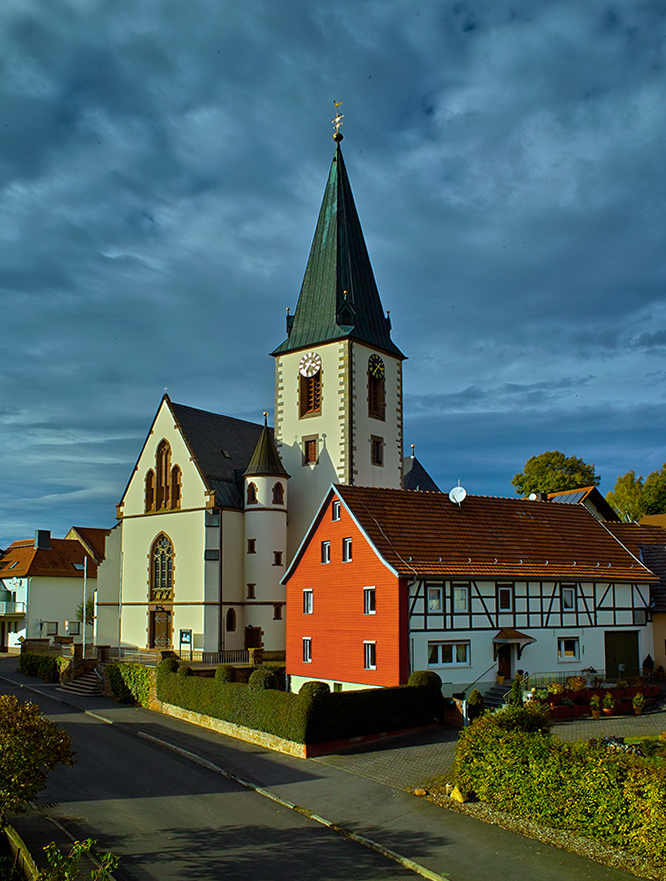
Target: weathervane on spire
{"x":337,"y":122}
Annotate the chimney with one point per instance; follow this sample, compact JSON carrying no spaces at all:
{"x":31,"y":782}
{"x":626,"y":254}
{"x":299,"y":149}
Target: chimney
{"x":43,"y":539}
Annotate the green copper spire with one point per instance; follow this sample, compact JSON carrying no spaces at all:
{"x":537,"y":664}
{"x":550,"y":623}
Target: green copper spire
{"x":339,"y":297}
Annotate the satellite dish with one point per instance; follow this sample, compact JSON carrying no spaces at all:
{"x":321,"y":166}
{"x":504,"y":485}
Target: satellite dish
{"x":458,"y":494}
{"x":532,"y":497}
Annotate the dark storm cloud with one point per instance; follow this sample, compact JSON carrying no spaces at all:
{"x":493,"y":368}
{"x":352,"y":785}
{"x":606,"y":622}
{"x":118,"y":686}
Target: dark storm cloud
{"x":161,"y":169}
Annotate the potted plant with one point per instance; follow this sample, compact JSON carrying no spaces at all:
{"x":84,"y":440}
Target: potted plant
{"x":500,"y":678}
{"x":638,"y":701}
{"x":595,"y":706}
{"x":608,"y":703}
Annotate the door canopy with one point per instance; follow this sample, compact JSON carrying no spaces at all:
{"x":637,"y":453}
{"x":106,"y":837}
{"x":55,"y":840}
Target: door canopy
{"x":509,"y":636}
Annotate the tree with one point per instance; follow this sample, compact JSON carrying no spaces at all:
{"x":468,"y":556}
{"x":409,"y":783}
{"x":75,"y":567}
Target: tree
{"x":30,"y":746}
{"x":65,"y":867}
{"x":90,"y":611}
{"x":552,"y":472}
{"x":654,"y":492}
{"x":627,"y":498}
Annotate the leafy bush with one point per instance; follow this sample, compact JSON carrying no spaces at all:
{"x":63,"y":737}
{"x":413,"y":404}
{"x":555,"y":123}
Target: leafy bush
{"x":613,"y":796}
{"x":184,"y":671}
{"x":555,"y":688}
{"x":424,"y":679}
{"x":168,"y":665}
{"x":515,"y":696}
{"x":576,"y":683}
{"x":531,"y":717}
{"x":130,"y":683}
{"x":225,"y":673}
{"x":46,"y":667}
{"x":475,"y":705}
{"x":314,"y":689}
{"x":262,"y":678}
{"x":608,"y":701}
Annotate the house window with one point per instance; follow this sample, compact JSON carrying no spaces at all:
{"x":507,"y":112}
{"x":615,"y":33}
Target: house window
{"x":51,"y":628}
{"x":335,"y":509}
{"x":448,"y":654}
{"x":505,"y":597}
{"x":310,"y":393}
{"x":231,"y":620}
{"x":251,"y":591}
{"x":251,"y":494}
{"x":434,"y":599}
{"x":369,"y":607}
{"x":161,"y":560}
{"x":307,"y":650}
{"x":377,"y":450}
{"x":74,"y":628}
{"x":278,"y":494}
{"x":326,"y":552}
{"x":150,"y":491}
{"x":568,"y":597}
{"x":277,"y":612}
{"x":460,"y":597}
{"x":307,"y":601}
{"x":163,"y":468}
{"x":568,"y":648}
{"x":309,"y":450}
{"x":376,"y":387}
{"x":370,"y":655}
{"x":252,"y":545}
{"x":346,"y":550}
{"x":277,"y":558}
{"x":337,"y":686}
{"x":640,"y":617}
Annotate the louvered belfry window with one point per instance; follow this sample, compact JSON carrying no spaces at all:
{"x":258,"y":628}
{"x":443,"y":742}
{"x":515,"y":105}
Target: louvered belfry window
{"x":311,"y":393}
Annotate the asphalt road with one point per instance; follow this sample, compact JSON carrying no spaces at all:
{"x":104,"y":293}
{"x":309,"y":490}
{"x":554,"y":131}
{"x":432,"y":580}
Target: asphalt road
{"x":168,"y":818}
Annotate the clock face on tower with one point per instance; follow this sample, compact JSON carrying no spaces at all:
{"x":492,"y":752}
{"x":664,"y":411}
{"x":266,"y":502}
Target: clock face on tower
{"x":376,"y":367}
{"x":309,"y":364}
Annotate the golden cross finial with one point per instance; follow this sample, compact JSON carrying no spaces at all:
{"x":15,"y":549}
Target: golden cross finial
{"x":337,"y":122}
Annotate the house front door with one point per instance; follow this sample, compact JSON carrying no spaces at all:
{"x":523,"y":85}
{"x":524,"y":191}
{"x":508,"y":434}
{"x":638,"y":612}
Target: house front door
{"x":504,"y":661}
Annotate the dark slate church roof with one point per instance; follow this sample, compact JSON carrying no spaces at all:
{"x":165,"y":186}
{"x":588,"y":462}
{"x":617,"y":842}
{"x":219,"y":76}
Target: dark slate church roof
{"x":339,"y":297}
{"x":414,"y":476}
{"x":221,"y":447}
{"x":266,"y":459}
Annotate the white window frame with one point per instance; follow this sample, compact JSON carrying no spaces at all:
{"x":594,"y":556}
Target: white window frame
{"x":308,"y":601}
{"x":369,"y":655}
{"x":463,"y":590}
{"x":369,"y":601}
{"x":435,"y":599}
{"x":325,"y":552}
{"x":307,"y":649}
{"x":346,"y":550}
{"x":454,"y":662}
{"x":335,"y":509}
{"x":562,"y":658}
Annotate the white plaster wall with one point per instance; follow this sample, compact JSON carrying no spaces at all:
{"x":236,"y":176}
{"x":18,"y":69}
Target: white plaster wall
{"x":295,"y":683}
{"x":55,"y":599}
{"x":233,"y":582}
{"x":108,"y":590}
{"x":18,"y":587}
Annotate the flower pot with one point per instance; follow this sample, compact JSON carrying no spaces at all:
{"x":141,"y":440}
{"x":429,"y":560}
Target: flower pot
{"x":500,"y":679}
{"x":638,"y":711}
{"x":596,"y":714}
{"x":607,"y":712}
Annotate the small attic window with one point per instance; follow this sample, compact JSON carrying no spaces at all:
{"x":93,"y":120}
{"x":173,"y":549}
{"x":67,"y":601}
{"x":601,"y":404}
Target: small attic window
{"x":78,"y":566}
{"x":226,"y":454}
{"x":14,"y":564}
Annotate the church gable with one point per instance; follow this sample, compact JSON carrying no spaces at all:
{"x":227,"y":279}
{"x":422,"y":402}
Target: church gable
{"x":165,"y":477}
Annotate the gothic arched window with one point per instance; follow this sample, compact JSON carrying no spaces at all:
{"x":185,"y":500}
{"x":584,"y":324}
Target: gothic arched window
{"x":161,"y":569}
{"x":150,"y":491}
{"x":231,"y":620}
{"x":278,"y":494}
{"x":251,"y":494}
{"x":175,"y":486}
{"x":163,"y":468}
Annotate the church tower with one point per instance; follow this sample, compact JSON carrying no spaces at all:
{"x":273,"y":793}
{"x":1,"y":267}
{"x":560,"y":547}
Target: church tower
{"x":338,"y":375}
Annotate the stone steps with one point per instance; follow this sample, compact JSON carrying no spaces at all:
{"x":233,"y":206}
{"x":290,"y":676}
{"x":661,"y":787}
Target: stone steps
{"x":496,"y":696}
{"x":88,"y":684}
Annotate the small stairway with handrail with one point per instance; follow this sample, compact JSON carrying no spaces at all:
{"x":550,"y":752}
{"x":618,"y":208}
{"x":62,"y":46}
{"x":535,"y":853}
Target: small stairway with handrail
{"x":495,"y":697}
{"x":88,"y":685}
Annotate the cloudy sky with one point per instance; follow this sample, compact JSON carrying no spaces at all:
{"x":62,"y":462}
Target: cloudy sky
{"x":162,"y":164}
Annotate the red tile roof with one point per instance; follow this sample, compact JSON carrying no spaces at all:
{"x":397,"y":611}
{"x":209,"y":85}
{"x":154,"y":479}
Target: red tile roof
{"x":92,"y":538}
{"x":427,"y":534}
{"x":58,"y":561}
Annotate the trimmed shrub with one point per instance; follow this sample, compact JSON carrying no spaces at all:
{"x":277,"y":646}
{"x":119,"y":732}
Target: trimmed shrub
{"x":475,"y":705}
{"x":225,"y":673}
{"x":130,"y":683}
{"x":183,"y":671}
{"x":424,"y":679}
{"x":47,"y":667}
{"x":168,"y":665}
{"x":314,"y":689}
{"x":531,"y":717}
{"x":262,"y":678}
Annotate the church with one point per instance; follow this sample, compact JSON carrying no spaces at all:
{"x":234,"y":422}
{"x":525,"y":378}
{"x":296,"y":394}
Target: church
{"x":216,"y":507}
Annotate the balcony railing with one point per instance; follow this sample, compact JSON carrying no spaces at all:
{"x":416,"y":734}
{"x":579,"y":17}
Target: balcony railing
{"x":12,"y":608}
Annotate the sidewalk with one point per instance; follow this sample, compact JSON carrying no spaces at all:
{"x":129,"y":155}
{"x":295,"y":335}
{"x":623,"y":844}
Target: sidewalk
{"x":362,"y":790}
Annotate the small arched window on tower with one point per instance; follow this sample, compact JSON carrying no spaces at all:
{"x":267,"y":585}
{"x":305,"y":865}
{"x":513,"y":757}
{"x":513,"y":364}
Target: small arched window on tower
{"x":163,"y":468}
{"x":175,"y":486}
{"x":231,"y":620}
{"x":278,"y":494}
{"x":251,"y":494}
{"x":309,"y":370}
{"x":376,"y":388}
{"x":150,"y":491}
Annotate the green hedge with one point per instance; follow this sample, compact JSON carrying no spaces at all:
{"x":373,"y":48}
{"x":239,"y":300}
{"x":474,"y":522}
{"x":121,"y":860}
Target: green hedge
{"x":46,"y":667}
{"x":614,"y":797}
{"x":130,"y":683}
{"x":313,"y":716}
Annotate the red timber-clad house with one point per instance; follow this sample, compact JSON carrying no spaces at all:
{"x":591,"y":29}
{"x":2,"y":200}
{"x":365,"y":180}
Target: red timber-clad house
{"x":389,"y":581}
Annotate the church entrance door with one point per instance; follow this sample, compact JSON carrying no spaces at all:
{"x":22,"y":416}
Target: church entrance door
{"x":253,"y":638}
{"x":160,"y":629}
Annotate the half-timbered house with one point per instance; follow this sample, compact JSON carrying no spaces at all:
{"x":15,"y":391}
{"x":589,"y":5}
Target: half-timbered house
{"x":389,"y":581}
